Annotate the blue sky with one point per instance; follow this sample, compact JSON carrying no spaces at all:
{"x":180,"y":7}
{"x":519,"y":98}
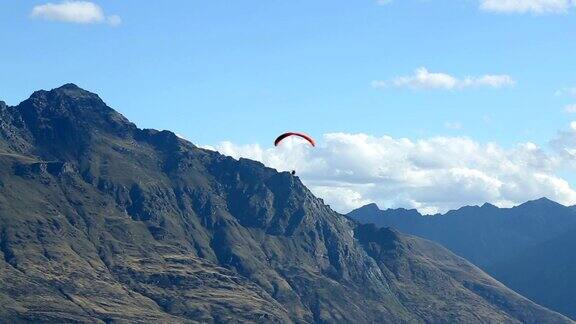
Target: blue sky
{"x":243,"y":71}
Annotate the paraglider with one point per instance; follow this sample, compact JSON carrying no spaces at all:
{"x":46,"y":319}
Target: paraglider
{"x":301,"y":135}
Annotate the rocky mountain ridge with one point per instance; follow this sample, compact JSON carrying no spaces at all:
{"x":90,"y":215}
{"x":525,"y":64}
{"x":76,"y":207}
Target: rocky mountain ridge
{"x":528,"y":247}
{"x":103,"y":221}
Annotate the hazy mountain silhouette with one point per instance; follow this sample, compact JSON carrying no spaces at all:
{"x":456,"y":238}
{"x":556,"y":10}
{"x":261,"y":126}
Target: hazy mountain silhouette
{"x":100,"y":220}
{"x":545,"y":273}
{"x":530,"y":248}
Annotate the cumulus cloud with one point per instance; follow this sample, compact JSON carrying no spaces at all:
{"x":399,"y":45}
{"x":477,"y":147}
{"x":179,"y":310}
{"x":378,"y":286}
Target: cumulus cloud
{"x":80,"y":12}
{"x":424,"y":79}
{"x":565,"y":145}
{"x":431,"y":174}
{"x":527,"y":6}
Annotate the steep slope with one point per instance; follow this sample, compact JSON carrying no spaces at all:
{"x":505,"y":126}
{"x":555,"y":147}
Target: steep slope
{"x":545,"y":273}
{"x":100,"y":220}
{"x":529,"y":248}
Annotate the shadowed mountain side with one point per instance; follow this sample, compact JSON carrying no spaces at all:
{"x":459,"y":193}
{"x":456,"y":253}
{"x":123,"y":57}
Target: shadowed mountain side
{"x":529,"y":248}
{"x":545,"y":272}
{"x":444,"y":281}
{"x":484,"y":235}
{"x":100,"y":220}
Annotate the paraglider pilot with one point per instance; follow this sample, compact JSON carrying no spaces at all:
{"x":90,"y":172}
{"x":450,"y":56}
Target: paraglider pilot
{"x":302,"y":135}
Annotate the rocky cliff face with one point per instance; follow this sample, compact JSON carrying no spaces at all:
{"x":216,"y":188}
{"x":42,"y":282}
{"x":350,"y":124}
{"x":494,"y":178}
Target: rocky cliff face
{"x":100,"y":220}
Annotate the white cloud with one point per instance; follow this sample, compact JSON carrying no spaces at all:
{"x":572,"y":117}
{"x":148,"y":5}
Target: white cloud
{"x":114,"y":20}
{"x":453,"y":125}
{"x":569,"y":91}
{"x":431,"y":174}
{"x":379,"y":84}
{"x":494,"y":81}
{"x":80,"y":12}
{"x":423,"y":79}
{"x":570,"y":108}
{"x":383,"y":2}
{"x":340,"y":197}
{"x":565,"y":145}
{"x":525,"y":6}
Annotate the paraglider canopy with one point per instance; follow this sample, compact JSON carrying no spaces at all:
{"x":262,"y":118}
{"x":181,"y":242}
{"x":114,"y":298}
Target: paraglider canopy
{"x":302,"y":135}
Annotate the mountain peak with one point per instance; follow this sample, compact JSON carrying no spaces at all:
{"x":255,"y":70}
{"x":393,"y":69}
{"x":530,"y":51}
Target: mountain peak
{"x":67,"y":99}
{"x":370,"y":210}
{"x":540,"y":202}
{"x":544,"y":200}
{"x":488,"y":205}
{"x":65,"y":118}
{"x":70,"y":86}
{"x":66,"y":91}
{"x":370,"y":207}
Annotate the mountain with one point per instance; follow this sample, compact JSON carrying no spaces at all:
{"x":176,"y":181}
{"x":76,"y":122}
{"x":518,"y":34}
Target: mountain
{"x":545,"y":272}
{"x":485,"y":235}
{"x":103,"y":221}
{"x":529,"y":247}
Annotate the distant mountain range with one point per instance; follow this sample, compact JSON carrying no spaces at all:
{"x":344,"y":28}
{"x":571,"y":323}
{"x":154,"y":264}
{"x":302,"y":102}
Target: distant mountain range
{"x":530,"y":248}
{"x":101,"y":221}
